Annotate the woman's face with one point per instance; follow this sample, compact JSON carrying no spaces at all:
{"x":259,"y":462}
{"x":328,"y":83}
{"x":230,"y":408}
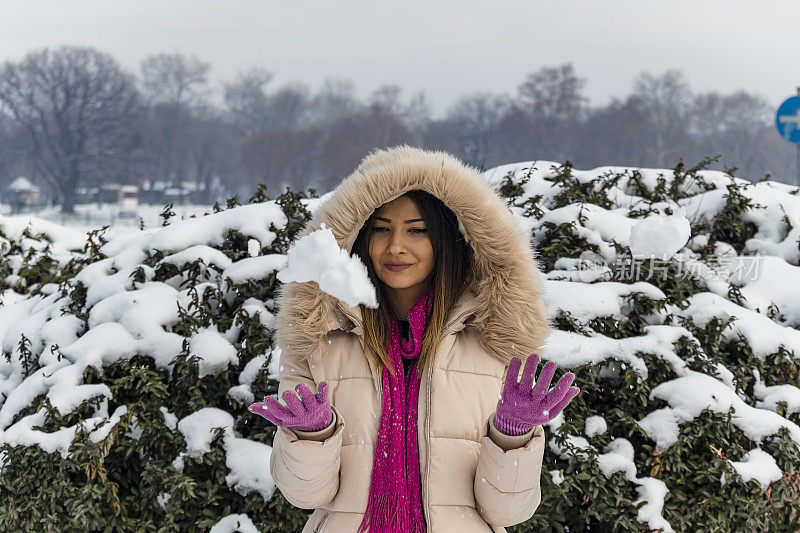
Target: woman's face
{"x":399,"y":235}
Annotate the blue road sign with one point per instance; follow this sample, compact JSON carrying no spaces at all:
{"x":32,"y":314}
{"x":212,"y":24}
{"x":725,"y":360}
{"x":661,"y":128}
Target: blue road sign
{"x":788,"y":119}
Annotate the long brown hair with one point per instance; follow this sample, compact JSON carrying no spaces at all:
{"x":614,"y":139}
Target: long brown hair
{"x":452,"y":275}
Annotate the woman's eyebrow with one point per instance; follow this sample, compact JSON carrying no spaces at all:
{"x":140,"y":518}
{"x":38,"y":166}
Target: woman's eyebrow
{"x":409,"y":221}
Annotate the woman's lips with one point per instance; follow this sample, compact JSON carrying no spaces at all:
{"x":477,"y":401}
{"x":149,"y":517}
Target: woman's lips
{"x":397,"y":268}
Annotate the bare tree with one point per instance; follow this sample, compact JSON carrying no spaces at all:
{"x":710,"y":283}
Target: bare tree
{"x":552,"y":101}
{"x":167,"y":132}
{"x":553,"y":94}
{"x":289,"y":107}
{"x":174,"y":78}
{"x":175,"y":86}
{"x":475,"y":119}
{"x":284,"y":157}
{"x":210,"y":147}
{"x":615,"y":134}
{"x":382,"y":120}
{"x":247,"y":100}
{"x":733,"y":126}
{"x":10,"y":148}
{"x":74,"y":104}
{"x":665,"y":101}
{"x":334,"y":101}
{"x":417,"y":116}
{"x":386,"y":99}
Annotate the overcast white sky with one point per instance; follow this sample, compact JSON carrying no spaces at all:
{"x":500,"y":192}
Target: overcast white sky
{"x":446,"y":48}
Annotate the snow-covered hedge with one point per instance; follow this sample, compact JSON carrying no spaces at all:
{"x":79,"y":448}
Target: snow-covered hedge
{"x":125,"y":385}
{"x":686,"y":352}
{"x":129,"y":362}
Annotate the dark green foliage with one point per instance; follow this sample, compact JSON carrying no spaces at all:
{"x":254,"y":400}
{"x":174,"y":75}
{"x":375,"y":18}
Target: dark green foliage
{"x":572,"y":191}
{"x":512,"y":187}
{"x":683,"y":183}
{"x":561,"y":240}
{"x":728,"y":225}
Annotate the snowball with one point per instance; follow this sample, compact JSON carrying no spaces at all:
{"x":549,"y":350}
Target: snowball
{"x":317,"y":257}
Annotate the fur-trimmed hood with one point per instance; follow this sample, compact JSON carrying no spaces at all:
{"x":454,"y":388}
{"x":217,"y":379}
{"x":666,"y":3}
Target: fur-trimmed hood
{"x":507,"y":305}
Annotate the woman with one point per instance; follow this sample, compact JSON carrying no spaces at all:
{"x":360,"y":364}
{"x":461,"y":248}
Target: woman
{"x":395,"y":426}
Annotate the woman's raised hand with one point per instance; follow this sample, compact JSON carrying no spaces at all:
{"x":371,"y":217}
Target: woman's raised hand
{"x":522,"y":407}
{"x":311,"y":414}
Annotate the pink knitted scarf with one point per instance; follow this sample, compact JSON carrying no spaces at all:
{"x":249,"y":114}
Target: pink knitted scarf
{"x":395,"y":498}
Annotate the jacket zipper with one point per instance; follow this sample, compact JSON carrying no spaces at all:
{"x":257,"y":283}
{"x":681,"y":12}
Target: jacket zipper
{"x":428,"y":402}
{"x":426,"y":502}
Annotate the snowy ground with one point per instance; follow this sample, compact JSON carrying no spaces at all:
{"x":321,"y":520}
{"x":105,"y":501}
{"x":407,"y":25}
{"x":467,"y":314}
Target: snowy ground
{"x":96,"y":215}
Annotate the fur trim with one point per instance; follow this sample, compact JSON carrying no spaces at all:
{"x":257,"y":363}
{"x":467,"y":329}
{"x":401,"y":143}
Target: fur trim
{"x":508,"y":305}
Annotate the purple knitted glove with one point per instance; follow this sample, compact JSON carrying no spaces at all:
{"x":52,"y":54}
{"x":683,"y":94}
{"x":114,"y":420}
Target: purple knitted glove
{"x":312,"y":414}
{"x":521,"y":408}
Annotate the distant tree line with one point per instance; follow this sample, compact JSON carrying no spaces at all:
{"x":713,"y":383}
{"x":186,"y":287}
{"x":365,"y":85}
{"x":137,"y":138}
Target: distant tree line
{"x":73,"y":116}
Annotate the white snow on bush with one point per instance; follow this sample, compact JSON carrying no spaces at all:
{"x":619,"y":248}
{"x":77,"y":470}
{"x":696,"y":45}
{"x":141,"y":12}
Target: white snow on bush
{"x":207,"y":254}
{"x":233,"y":523}
{"x":759,"y":465}
{"x":252,"y":220}
{"x":213,"y":351}
{"x":63,"y":239}
{"x":770,"y":396}
{"x":247,"y":460}
{"x":762,"y":334}
{"x":254,"y":268}
{"x":162,"y":499}
{"x":587,"y":301}
{"x":128,"y":318}
{"x":595,"y":425}
{"x":618,"y":456}
{"x":652,"y":491}
{"x":242,"y":392}
{"x":574,"y":444}
{"x":253,"y":247}
{"x":763,"y":283}
{"x":689,"y":395}
{"x":571,"y":350}
{"x":659,"y":235}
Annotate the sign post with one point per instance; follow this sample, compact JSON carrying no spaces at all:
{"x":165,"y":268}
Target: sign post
{"x":787,"y":121}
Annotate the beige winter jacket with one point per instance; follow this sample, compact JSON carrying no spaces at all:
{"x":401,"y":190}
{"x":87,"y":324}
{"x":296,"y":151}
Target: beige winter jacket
{"x":474,"y":478}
